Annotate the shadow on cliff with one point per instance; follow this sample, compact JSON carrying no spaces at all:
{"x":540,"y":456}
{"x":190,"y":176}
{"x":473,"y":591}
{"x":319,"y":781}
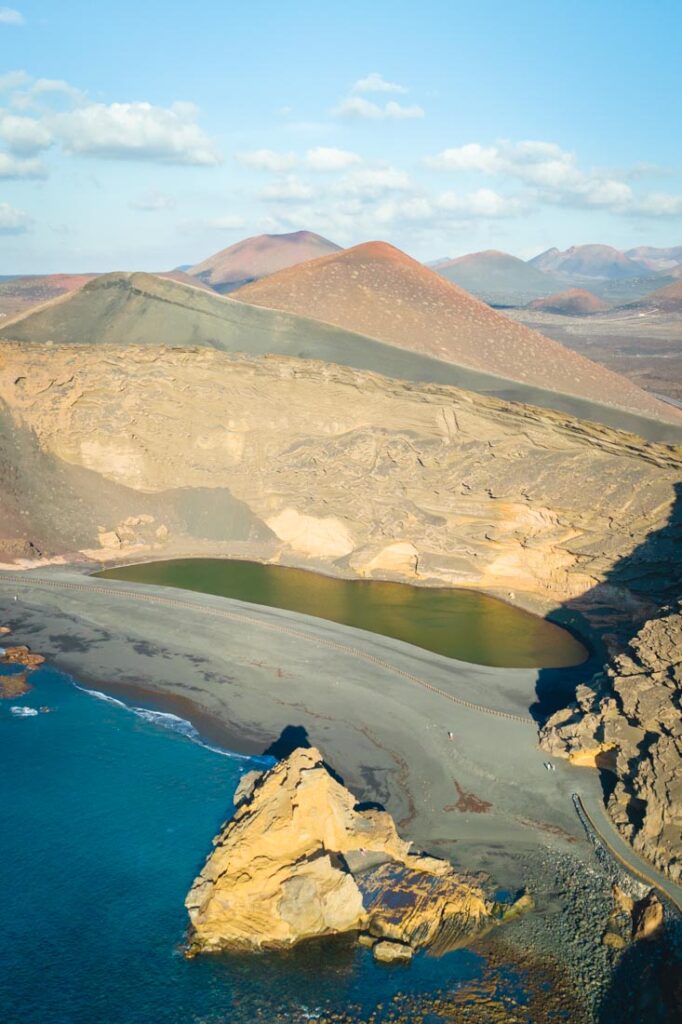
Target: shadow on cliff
{"x":646,"y":986}
{"x":615,"y":609}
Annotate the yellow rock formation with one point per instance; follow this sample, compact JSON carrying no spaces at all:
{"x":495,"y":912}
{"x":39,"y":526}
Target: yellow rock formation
{"x":300,"y":859}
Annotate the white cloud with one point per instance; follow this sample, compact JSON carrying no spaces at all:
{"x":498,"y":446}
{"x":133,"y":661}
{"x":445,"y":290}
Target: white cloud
{"x":152,"y":202}
{"x":287,"y":189}
{"x":24,"y":135}
{"x":371,"y":182}
{"x":484,"y":202}
{"x":357,"y":106}
{"x":321,"y":158}
{"x":325,"y":158}
{"x":552,"y":175}
{"x":267,"y":160}
{"x":56,"y":86}
{"x":657,"y":204}
{"x":136,"y":131}
{"x":20,"y":167}
{"x":397,"y":211}
{"x":12,"y":221}
{"x":471,"y":157}
{"x":375,"y":82}
{"x":13,"y":80}
{"x":8,"y":16}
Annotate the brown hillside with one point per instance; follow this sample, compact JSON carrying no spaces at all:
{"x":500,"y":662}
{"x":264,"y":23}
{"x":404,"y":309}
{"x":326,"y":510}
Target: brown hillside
{"x":574,"y":302}
{"x":259,"y":256}
{"x":668,"y":298}
{"x":20,"y":294}
{"x":377,"y":290}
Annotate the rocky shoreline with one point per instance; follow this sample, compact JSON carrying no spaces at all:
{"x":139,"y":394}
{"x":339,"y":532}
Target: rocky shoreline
{"x":628,"y":724}
{"x":16,"y":684}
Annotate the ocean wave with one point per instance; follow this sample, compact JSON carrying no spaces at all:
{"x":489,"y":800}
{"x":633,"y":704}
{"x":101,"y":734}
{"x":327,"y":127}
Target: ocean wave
{"x":174,"y":723}
{"x":22,"y":712}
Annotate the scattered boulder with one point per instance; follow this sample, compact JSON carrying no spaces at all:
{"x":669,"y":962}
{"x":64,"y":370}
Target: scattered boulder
{"x":618,"y":931}
{"x":300,"y":859}
{"x":647,"y":918}
{"x":392,"y":952}
{"x":20,"y":655}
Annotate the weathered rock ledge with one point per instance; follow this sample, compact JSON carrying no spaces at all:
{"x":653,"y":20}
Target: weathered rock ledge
{"x":629,"y":723}
{"x":301,"y":859}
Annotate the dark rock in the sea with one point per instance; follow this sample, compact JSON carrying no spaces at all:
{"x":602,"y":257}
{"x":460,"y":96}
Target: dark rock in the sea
{"x":16,"y":685}
{"x":20,"y":655}
{"x":13,"y":686}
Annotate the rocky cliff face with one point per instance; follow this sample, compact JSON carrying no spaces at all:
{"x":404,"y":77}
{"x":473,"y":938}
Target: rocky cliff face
{"x":300,"y":859}
{"x":123,"y":452}
{"x":628,"y":722}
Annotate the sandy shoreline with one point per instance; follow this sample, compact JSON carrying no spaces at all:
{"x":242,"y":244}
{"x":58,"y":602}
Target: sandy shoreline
{"x":242,"y":674}
{"x":380,"y":710}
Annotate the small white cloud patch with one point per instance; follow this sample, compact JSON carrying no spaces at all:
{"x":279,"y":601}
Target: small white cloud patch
{"x":8,"y":16}
{"x":136,"y":131}
{"x":359,"y":107}
{"x":17,"y":167}
{"x":12,"y":221}
{"x":375,"y":82}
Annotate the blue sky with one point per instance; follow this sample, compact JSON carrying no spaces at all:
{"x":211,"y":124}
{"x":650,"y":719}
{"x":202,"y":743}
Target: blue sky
{"x":146,"y":135}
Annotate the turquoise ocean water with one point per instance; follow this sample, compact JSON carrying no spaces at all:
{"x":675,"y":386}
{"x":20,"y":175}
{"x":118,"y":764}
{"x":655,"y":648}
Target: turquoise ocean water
{"x":106,"y":815}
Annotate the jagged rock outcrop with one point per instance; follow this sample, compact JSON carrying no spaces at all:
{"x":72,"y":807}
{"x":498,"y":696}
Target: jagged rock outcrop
{"x":300,"y":859}
{"x":13,"y":686}
{"x":629,"y":721}
{"x":20,"y":655}
{"x":16,"y":684}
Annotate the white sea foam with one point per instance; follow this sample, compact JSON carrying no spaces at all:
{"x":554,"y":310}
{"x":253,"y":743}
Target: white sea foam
{"x":23,"y":712}
{"x":167,"y":720}
{"x":103,"y":696}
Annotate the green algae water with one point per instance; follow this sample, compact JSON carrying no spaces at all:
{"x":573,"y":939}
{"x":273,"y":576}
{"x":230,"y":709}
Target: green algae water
{"x":106,"y":815}
{"x":457,"y":623}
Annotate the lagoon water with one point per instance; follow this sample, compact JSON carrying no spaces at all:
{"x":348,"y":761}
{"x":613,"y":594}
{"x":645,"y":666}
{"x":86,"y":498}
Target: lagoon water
{"x":106,"y":815}
{"x":457,"y":623}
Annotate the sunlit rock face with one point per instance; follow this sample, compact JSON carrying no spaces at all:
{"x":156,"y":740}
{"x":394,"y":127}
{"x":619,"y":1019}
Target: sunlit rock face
{"x":301,"y":859}
{"x":630,"y":722}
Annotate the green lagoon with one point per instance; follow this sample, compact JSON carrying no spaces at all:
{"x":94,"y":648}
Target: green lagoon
{"x":457,"y":623}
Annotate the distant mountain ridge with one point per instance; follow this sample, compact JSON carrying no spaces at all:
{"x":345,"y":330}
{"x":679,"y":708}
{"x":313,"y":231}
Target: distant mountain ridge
{"x":258,"y":256}
{"x":599,"y":261}
{"x":668,"y":299}
{"x":657,"y":259}
{"x":497,"y":277}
